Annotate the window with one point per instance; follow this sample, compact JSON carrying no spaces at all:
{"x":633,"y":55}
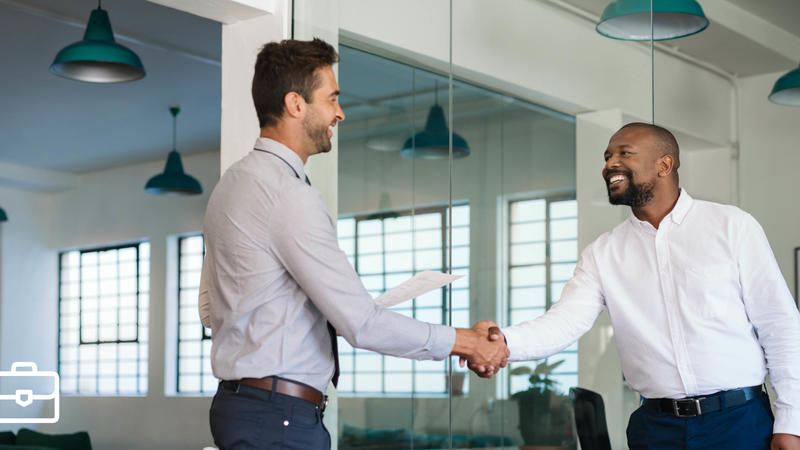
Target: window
{"x":387,"y":249}
{"x":542,"y":254}
{"x":194,"y":340}
{"x":103,"y":320}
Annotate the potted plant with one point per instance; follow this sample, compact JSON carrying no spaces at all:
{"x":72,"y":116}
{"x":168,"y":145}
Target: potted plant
{"x":545,"y":414}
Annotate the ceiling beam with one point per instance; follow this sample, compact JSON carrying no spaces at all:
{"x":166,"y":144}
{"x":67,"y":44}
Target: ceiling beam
{"x":223,"y":11}
{"x":120,"y":35}
{"x":754,"y":28}
{"x":37,"y":180}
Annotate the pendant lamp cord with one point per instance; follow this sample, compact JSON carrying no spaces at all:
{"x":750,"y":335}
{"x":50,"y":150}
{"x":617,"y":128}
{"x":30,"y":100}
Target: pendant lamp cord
{"x":652,"y":70}
{"x":174,"y":132}
{"x":99,"y":4}
{"x":450,"y":227}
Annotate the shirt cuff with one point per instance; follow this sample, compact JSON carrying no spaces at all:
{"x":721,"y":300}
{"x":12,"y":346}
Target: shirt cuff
{"x":515,"y":343}
{"x":442,"y":340}
{"x":787,"y":420}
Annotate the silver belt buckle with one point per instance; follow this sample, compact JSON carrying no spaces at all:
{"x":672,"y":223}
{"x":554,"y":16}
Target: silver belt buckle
{"x":676,"y":409}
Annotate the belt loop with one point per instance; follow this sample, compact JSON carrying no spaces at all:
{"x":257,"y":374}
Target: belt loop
{"x":274,"y":385}
{"x":722,"y":401}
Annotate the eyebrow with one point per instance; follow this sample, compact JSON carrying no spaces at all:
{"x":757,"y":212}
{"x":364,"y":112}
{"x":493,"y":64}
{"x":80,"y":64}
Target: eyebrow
{"x":335,"y":93}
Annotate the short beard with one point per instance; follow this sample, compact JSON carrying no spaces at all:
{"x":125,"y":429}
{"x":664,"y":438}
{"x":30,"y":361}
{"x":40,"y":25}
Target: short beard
{"x":635,"y":196}
{"x":319,"y":137}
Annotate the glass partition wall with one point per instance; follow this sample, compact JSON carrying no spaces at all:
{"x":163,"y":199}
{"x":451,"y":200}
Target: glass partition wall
{"x":501,"y":213}
{"x":435,"y":171}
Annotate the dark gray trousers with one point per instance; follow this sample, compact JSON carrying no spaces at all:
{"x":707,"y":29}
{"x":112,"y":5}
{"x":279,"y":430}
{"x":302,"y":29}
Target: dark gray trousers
{"x":243,"y":417}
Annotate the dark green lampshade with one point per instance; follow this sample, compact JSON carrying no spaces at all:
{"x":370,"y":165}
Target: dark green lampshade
{"x":434,"y":141}
{"x":3,"y":216}
{"x":787,"y":89}
{"x":630,"y":19}
{"x":173,"y":180}
{"x":97,"y":58}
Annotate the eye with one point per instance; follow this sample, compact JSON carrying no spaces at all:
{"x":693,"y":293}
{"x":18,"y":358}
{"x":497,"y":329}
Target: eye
{"x":624,"y":153}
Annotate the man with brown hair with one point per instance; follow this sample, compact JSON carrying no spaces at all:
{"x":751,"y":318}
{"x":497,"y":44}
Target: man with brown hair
{"x":275,"y":285}
{"x":700,"y":310}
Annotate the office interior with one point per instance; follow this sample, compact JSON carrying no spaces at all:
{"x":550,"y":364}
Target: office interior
{"x":529,"y":87}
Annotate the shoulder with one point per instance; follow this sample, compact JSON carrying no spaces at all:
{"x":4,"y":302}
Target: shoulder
{"x":721,"y":214}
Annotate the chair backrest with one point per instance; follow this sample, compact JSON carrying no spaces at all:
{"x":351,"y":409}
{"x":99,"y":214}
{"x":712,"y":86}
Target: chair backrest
{"x":590,"y":419}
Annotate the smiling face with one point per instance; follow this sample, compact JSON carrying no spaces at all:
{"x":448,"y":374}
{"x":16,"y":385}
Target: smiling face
{"x":323,"y":112}
{"x":632,"y":167}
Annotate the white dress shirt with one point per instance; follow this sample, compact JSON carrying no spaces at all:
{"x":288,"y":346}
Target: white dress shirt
{"x":273,"y":273}
{"x":698,"y":305}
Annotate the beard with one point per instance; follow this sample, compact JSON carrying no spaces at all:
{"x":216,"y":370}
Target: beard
{"x":635,"y":196}
{"x":317,"y":133}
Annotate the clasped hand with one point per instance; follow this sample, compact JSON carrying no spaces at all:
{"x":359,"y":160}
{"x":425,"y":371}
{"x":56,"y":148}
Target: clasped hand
{"x":482,"y":347}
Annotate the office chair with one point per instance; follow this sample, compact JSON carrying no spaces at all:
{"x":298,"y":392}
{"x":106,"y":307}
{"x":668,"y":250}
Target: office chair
{"x":590,"y":419}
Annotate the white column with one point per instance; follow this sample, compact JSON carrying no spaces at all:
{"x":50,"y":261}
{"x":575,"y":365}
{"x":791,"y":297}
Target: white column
{"x":241,"y":42}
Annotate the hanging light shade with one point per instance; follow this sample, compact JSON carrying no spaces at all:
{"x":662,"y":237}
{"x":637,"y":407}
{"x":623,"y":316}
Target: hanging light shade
{"x":3,"y":216}
{"x":630,"y":19}
{"x":173,"y":180}
{"x":434,"y":141}
{"x":787,"y":89}
{"x":98,"y":58}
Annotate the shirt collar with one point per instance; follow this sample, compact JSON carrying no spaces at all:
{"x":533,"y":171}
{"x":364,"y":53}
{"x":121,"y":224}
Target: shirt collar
{"x":282,"y":151}
{"x":677,"y":214}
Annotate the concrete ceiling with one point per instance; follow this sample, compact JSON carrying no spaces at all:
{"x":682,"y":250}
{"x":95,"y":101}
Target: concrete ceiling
{"x":48,"y":122}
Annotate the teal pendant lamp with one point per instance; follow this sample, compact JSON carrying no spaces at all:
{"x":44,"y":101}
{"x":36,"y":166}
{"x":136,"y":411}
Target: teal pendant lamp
{"x":630,"y":19}
{"x":434,"y":141}
{"x":787,"y":89}
{"x":98,"y":58}
{"x":173,"y":180}
{"x":3,"y":216}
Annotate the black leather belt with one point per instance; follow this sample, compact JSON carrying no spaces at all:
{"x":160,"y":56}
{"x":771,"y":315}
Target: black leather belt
{"x":283,"y":386}
{"x":695,"y":406}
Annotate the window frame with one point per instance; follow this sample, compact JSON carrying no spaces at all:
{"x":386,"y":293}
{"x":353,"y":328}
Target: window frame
{"x":139,"y":339}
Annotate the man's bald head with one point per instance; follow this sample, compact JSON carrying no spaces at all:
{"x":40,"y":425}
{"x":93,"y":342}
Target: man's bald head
{"x":665,"y":142}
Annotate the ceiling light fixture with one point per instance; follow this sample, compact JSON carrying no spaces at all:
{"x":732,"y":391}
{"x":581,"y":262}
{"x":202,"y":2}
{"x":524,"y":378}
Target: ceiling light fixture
{"x":434,"y":141}
{"x":173,"y":180}
{"x":98,"y":58}
{"x":3,"y":216}
{"x":630,"y":19}
{"x":787,"y":89}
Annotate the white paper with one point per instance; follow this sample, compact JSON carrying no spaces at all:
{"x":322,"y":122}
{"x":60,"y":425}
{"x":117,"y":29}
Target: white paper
{"x":414,"y":287}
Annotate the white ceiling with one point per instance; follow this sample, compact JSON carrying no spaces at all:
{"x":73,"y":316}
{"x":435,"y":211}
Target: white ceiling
{"x":49,"y":122}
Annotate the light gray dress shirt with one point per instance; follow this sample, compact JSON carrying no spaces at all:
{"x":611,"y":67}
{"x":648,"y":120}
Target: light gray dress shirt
{"x":698,"y":305}
{"x":273,"y":273}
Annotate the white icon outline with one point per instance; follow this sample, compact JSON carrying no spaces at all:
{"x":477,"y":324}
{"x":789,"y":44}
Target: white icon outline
{"x":25,"y":397}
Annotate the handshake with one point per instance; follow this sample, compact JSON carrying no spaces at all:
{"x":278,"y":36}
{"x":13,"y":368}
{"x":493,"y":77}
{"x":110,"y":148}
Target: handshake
{"x":482,"y":347}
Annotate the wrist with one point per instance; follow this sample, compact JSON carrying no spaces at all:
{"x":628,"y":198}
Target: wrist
{"x":465,"y":342}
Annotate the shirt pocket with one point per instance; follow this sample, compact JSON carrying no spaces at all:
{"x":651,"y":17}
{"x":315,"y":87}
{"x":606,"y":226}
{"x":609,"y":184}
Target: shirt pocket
{"x":711,"y":289}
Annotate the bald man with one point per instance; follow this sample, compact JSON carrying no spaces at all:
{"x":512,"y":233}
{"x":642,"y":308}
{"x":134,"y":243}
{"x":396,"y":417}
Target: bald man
{"x":700,"y":310}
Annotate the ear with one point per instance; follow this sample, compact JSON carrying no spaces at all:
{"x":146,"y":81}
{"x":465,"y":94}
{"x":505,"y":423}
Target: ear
{"x":294,"y":104}
{"x":666,"y":165}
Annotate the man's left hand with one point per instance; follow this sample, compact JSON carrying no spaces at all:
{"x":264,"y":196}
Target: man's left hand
{"x":784,"y":441}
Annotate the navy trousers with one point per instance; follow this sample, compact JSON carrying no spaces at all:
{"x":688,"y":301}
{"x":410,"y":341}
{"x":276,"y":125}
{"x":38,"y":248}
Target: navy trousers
{"x":745,"y":427}
{"x":243,"y":417}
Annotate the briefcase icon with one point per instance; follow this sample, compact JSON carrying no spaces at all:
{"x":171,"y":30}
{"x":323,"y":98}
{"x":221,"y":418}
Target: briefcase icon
{"x":28,"y":395}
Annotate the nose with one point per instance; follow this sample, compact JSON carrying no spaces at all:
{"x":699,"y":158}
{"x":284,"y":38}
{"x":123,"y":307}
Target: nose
{"x":339,"y":113}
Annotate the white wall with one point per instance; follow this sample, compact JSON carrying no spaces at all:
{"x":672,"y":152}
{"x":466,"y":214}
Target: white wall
{"x":106,"y":207}
{"x":769,"y":157}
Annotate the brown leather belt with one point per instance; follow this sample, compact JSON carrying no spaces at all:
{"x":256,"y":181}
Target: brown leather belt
{"x":287,"y":387}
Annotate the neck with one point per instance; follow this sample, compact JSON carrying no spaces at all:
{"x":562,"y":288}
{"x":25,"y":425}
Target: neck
{"x":655,"y":210}
{"x":290,"y":138}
